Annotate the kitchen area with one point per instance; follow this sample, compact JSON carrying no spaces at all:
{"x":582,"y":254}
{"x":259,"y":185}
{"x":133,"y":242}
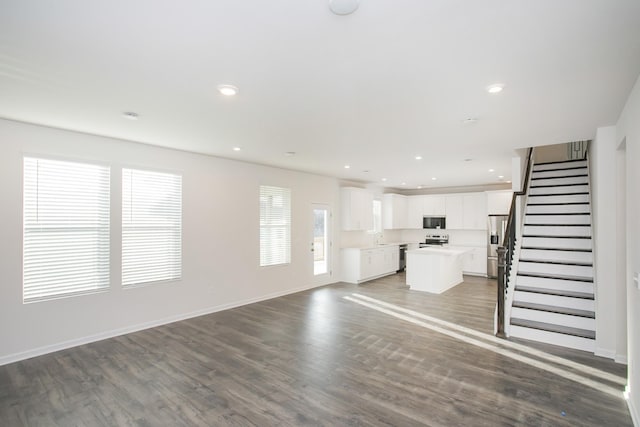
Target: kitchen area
{"x":435,"y":238}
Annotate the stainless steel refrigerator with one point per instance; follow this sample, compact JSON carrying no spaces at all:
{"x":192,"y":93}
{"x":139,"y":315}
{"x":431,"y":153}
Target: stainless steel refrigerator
{"x":496,"y":227}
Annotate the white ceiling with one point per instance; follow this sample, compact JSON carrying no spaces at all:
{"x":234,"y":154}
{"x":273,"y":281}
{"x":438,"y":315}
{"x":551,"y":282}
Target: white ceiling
{"x":372,"y":89}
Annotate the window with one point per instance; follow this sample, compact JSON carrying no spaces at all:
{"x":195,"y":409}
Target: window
{"x":66,"y":228}
{"x":377,"y":217}
{"x":275,"y":225}
{"x":151,"y":227}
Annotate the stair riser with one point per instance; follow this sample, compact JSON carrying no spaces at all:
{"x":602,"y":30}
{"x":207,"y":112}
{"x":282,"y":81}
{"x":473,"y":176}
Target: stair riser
{"x":564,"y":165}
{"x":555,"y":300}
{"x":553,"y":209}
{"x":559,"y":173}
{"x":556,"y":242}
{"x":558,"y":219}
{"x":578,"y":343}
{"x":560,"y":198}
{"x":557,"y":231}
{"x":559,"y":190}
{"x":554,"y":318}
{"x":561,"y":181}
{"x":556,"y":284}
{"x":563,"y":256}
{"x":553,"y":269}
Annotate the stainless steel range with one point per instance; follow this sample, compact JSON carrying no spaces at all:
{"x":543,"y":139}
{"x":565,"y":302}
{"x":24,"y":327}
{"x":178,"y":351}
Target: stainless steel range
{"x":435,"y":240}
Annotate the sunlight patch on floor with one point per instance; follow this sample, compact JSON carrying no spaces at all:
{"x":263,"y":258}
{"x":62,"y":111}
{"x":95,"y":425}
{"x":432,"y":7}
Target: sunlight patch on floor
{"x":495,"y":344}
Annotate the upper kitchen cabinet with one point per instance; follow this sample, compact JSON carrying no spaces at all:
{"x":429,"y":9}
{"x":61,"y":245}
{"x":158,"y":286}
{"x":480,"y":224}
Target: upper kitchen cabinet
{"x":454,"y":212}
{"x":394,"y":211}
{"x":499,"y":202}
{"x":357,"y":209}
{"x":415,"y":211}
{"x":474,"y":215}
{"x":434,"y":206}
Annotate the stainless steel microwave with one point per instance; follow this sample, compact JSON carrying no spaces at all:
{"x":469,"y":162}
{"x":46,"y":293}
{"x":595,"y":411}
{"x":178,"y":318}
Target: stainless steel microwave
{"x":437,"y":222}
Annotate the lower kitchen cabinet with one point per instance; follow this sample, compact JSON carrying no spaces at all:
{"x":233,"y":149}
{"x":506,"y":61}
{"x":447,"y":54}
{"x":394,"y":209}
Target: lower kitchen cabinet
{"x":475,"y":262}
{"x":360,"y":265}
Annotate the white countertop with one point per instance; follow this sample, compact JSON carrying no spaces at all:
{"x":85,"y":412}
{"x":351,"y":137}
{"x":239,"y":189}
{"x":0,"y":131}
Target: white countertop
{"x":442,"y":250}
{"x":378,"y":246}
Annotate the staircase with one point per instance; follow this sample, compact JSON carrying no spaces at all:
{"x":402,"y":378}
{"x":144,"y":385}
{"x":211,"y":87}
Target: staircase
{"x":553,"y":301}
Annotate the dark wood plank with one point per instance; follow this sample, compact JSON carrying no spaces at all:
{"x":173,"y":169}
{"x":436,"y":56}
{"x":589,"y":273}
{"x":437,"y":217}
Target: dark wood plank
{"x":311,"y":358}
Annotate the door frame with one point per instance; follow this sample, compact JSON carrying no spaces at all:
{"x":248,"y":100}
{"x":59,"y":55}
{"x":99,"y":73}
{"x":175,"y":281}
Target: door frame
{"x":323,"y":278}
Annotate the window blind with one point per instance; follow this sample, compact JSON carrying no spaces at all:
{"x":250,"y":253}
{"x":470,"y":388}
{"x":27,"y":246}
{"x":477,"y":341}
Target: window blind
{"x":275,"y":225}
{"x":151,"y":227}
{"x":66,"y":228}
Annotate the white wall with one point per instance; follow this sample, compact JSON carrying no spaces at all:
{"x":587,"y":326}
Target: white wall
{"x":628,"y":130}
{"x":220,"y":241}
{"x":610,"y":305}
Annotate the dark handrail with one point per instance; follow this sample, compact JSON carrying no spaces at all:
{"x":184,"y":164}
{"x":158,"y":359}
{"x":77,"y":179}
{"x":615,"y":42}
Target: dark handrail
{"x":505,"y":252}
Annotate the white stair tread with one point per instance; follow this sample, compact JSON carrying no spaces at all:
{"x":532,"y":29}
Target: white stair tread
{"x":558,"y":173}
{"x":535,"y":199}
{"x":556,"y":284}
{"x":554,"y":309}
{"x":558,"y":277}
{"x":585,"y":333}
{"x":560,"y":180}
{"x":569,"y":164}
{"x":555,"y":292}
{"x":558,"y":208}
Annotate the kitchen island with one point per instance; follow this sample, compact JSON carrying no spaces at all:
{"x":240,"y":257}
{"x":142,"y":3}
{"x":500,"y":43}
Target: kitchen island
{"x":435,"y":269}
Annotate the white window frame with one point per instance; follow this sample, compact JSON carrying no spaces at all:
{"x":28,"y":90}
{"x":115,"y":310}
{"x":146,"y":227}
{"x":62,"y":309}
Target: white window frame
{"x":151,"y":227}
{"x":66,"y":228}
{"x":275,"y":226}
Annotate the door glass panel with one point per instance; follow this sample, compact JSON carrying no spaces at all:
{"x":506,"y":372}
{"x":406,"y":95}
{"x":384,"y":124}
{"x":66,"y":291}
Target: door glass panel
{"x":320,"y":241}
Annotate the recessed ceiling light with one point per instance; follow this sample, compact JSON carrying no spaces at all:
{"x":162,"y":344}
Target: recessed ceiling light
{"x":343,"y":7}
{"x":500,"y":176}
{"x":469,"y":121}
{"x":347,"y":166}
{"x":434,"y":178}
{"x":419,"y":187}
{"x":418,"y":157}
{"x":468,"y":160}
{"x":509,"y":182}
{"x":495,"y":88}
{"x":290,"y":153}
{"x":384,"y":179}
{"x":228,"y":90}
{"x":403,"y":183}
{"x":130,"y":115}
{"x":236,"y":148}
{"x":491,"y":170}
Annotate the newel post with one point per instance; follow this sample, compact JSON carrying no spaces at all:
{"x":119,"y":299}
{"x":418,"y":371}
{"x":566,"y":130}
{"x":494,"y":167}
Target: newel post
{"x":501,"y":289}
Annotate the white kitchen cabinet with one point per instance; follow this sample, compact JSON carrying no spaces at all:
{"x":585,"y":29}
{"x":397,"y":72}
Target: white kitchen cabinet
{"x":415,"y":211}
{"x":391,"y":258}
{"x":357,"y":209}
{"x":394,"y":211}
{"x":474,"y":215}
{"x":475,"y":262}
{"x":454,"y":212}
{"x":499,"y":202}
{"x":360,"y":265}
{"x":434,"y":206}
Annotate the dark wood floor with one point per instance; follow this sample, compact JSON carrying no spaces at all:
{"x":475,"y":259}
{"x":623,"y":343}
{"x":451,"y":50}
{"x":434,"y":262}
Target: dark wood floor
{"x":312,"y":358}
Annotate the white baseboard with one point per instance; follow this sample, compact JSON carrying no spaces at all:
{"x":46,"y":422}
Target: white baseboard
{"x":605,"y":352}
{"x":621,"y":358}
{"x":632,"y":409}
{"x":611,"y":354}
{"x":16,"y":357}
